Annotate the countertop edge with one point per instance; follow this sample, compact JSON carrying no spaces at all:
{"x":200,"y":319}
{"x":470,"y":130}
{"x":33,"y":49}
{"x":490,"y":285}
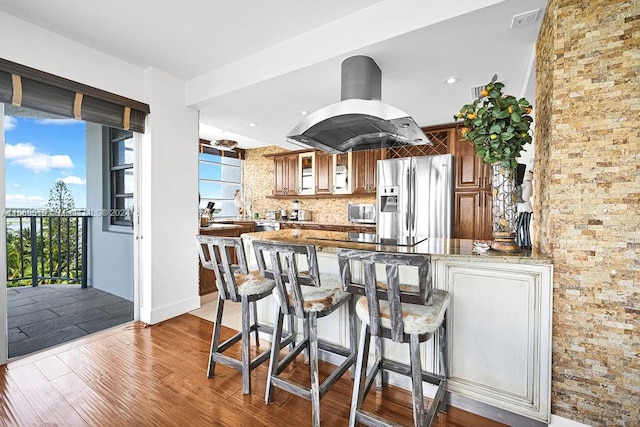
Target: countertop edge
{"x":439,"y":249}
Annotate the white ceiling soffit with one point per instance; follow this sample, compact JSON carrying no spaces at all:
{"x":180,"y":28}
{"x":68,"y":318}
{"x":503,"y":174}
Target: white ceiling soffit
{"x":263,"y":62}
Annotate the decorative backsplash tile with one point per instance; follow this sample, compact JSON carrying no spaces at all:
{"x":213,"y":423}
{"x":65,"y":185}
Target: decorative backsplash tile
{"x":259,"y":177}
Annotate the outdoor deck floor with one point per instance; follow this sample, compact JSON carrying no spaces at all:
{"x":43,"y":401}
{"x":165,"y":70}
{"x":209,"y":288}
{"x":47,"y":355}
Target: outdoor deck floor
{"x":48,"y":315}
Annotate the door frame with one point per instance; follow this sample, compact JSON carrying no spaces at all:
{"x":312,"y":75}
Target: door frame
{"x":4,"y":332}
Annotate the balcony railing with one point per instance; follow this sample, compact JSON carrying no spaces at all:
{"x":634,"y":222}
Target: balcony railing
{"x":46,"y":249}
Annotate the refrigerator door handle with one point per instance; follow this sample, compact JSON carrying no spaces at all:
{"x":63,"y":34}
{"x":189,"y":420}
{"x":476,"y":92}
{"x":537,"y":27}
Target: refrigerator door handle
{"x":413,"y":201}
{"x":408,"y":203}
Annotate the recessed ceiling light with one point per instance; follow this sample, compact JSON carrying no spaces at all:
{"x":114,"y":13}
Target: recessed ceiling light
{"x":451,"y":80}
{"x":304,"y":112}
{"x":253,"y":125}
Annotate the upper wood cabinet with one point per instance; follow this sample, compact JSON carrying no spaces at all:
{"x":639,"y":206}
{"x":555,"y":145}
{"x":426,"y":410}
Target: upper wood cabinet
{"x":365,"y":170}
{"x":285,"y":168}
{"x":471,"y":173}
{"x":472,"y":209}
{"x":324,"y":173}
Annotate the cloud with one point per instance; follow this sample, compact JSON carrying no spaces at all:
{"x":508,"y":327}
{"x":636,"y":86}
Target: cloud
{"x":58,"y":122}
{"x":73,"y":180}
{"x":18,"y":151}
{"x":26,"y":154}
{"x":10,"y":122}
{"x":22,"y":201}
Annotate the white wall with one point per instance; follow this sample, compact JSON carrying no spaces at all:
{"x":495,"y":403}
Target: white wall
{"x":168,"y":159}
{"x":168,"y":202}
{"x":110,"y":258}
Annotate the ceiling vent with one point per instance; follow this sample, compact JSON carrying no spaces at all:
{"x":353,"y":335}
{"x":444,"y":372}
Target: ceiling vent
{"x":475,"y":91}
{"x":526,"y":18}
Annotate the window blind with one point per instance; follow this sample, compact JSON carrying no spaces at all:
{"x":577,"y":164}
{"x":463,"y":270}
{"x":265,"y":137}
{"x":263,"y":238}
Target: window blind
{"x":27,"y":87}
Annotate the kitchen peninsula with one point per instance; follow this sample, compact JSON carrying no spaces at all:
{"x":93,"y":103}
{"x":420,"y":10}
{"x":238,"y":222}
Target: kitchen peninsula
{"x":498,"y":324}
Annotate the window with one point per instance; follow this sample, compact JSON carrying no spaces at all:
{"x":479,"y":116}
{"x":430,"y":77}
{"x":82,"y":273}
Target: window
{"x":121,"y":182}
{"x":219,"y":178}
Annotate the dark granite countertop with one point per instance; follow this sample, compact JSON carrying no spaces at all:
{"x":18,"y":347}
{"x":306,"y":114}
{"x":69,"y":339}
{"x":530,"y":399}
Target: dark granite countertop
{"x":338,"y":224}
{"x":221,"y":226}
{"x":458,"y":249}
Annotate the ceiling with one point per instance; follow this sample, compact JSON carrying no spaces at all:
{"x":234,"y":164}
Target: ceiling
{"x":263,"y":62}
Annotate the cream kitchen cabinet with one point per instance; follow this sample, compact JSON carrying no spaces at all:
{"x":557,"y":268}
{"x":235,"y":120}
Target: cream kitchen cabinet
{"x":342,"y":173}
{"x":307,"y":173}
{"x":498,"y":326}
{"x":499,"y":333}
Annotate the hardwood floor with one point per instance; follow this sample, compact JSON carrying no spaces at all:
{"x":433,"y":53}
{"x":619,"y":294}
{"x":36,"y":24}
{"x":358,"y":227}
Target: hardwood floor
{"x":137,"y":376}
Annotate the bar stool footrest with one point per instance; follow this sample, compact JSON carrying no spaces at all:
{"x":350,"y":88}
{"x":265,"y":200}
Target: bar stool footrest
{"x":372,"y":420}
{"x":405,"y":370}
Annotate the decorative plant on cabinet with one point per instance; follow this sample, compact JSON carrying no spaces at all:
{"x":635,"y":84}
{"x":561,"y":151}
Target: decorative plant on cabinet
{"x":498,"y":126}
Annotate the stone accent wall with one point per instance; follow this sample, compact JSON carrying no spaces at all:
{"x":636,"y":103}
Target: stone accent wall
{"x":259,"y":177}
{"x":587,"y":213}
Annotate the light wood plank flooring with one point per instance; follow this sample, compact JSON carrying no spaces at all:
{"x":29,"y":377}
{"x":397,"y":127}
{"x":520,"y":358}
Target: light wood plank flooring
{"x":137,"y":376}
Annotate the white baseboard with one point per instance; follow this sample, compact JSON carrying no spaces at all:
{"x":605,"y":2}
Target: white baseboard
{"x":168,"y":311}
{"x":557,"y":421}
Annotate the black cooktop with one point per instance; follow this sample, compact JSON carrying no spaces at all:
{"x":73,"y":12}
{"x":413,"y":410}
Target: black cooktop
{"x":405,"y":241}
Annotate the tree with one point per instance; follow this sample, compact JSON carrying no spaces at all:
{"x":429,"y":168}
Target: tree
{"x":62,"y":228}
{"x":60,"y":199}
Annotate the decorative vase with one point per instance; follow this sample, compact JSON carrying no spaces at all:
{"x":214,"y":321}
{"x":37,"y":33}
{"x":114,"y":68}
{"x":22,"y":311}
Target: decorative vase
{"x":505,"y":208}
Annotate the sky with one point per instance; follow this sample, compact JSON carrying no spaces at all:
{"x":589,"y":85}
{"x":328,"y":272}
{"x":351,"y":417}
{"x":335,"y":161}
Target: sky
{"x":39,"y":152}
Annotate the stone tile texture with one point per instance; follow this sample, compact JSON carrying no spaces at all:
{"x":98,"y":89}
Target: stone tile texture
{"x":49,"y":315}
{"x":587,"y":215}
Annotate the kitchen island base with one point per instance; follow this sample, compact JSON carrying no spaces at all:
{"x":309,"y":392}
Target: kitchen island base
{"x":499,"y":324}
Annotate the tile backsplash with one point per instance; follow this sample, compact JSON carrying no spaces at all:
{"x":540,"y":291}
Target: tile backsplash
{"x":259,"y":177}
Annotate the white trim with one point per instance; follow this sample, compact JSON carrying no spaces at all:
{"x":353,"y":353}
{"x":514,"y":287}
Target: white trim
{"x":558,"y":421}
{"x":4,"y":334}
{"x":137,"y":140}
{"x":168,"y":311}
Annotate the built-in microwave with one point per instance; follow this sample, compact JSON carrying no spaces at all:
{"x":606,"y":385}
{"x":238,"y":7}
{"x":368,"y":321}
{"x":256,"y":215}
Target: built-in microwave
{"x":362,"y":213}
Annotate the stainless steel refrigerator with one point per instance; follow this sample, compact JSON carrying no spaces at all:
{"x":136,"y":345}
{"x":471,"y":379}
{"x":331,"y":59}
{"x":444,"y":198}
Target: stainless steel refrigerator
{"x":415,"y":197}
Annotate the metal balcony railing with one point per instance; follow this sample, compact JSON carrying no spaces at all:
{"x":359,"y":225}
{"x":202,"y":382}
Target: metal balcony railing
{"x":47,"y":249}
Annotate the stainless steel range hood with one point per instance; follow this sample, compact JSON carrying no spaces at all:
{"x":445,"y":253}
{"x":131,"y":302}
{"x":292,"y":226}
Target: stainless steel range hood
{"x":360,"y":121}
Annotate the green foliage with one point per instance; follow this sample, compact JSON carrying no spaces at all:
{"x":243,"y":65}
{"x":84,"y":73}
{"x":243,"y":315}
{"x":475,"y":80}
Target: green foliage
{"x":60,"y":199}
{"x":57,"y":246}
{"x":497,"y":125}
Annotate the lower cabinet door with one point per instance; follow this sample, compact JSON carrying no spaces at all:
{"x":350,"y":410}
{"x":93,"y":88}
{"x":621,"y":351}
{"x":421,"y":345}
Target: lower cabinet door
{"x":499,"y":333}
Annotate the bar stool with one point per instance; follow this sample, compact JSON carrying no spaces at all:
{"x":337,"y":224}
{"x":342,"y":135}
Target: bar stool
{"x":309,"y":296}
{"x":404,"y":314}
{"x":235,"y":283}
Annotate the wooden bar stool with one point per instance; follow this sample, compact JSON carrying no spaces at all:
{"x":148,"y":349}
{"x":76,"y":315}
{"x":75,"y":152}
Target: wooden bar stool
{"x":404,"y":314}
{"x":235,"y":283}
{"x":309,"y":296}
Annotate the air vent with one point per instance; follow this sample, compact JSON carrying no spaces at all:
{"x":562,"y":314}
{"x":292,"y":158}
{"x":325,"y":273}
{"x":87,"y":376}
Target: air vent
{"x":475,"y":91}
{"x":526,"y":18}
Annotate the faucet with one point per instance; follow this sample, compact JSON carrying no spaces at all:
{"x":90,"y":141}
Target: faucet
{"x":245,"y":202}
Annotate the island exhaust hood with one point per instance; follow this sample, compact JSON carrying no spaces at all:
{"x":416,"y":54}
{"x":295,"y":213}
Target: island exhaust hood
{"x":360,"y":121}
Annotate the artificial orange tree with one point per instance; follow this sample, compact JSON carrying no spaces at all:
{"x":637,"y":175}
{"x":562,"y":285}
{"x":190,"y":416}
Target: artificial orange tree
{"x":497,"y":125}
